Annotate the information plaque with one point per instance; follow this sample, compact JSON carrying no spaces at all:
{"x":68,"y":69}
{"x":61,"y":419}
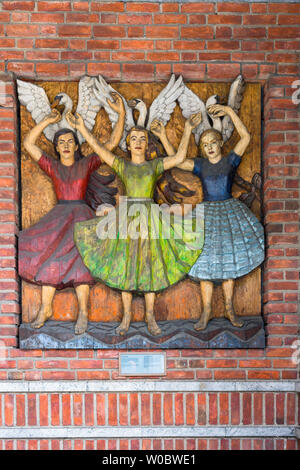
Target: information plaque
{"x":142,"y":364}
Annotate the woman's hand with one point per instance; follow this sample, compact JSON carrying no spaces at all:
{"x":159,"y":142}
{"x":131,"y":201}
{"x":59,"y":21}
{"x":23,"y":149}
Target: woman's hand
{"x":53,"y":117}
{"x":157,"y":128}
{"x":75,"y":121}
{"x":117,"y":103}
{"x":218,"y":110}
{"x":194,"y":120}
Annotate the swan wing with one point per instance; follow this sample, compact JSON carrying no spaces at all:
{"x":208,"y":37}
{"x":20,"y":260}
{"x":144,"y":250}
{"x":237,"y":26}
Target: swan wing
{"x":164,"y":104}
{"x":190,"y":103}
{"x":103,"y":92}
{"x":34,"y":98}
{"x":234,"y":101}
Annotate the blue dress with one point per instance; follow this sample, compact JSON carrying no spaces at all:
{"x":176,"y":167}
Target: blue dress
{"x":234,"y":238}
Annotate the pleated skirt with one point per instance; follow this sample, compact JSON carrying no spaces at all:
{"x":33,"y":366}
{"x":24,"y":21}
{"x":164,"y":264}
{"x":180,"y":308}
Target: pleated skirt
{"x":234,"y":242}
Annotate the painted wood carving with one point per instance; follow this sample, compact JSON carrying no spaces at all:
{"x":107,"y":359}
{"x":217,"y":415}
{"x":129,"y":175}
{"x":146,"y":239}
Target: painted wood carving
{"x":131,"y":237}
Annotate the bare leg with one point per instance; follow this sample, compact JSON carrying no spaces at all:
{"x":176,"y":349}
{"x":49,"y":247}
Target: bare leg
{"x":82,"y":292}
{"x":124,"y":325}
{"x":207,"y":288}
{"x":45,"y":312}
{"x":152,"y":326}
{"x":228,"y":288}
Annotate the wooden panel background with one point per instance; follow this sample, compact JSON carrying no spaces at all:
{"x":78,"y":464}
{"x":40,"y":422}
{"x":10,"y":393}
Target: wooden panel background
{"x":178,"y":302}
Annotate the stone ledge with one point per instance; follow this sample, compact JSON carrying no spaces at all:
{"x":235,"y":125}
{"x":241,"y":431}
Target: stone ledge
{"x":175,"y":335}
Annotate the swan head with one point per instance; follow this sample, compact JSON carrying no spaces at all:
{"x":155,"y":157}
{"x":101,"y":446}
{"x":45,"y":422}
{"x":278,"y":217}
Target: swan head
{"x":63,"y":99}
{"x":140,"y":106}
{"x":214,"y":99}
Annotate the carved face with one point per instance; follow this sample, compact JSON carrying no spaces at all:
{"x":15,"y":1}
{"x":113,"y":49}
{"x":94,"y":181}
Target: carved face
{"x":211,"y":146}
{"x":66,"y":146}
{"x":138,"y":142}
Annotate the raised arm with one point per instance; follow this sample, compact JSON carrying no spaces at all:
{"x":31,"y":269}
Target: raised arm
{"x":117,"y":132}
{"x":30,"y":139}
{"x":77,"y":123}
{"x":158,"y":129}
{"x":178,"y":158}
{"x":218,"y":111}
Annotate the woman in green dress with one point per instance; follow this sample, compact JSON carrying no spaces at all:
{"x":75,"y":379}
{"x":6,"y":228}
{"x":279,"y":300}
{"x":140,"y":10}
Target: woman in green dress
{"x":146,"y":261}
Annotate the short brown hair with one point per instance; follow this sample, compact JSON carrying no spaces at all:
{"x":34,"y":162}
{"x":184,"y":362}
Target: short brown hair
{"x":136,"y":128}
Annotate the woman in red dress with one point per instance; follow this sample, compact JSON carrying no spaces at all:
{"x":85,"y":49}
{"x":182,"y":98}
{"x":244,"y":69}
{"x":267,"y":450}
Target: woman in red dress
{"x":47,"y":253}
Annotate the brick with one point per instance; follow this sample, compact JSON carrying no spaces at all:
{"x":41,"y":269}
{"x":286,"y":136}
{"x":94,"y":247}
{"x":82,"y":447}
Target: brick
{"x":142,"y":7}
{"x":112,"y":409}
{"x":43,"y":410}
{"x":100,"y":409}
{"x":233,"y":7}
{"x":134,"y":409}
{"x":136,"y":44}
{"x":10,"y":5}
{"x":189,"y":45}
{"x":162,"y":32}
{"x":104,"y":44}
{"x":145,"y":409}
{"x":283,"y":32}
{"x":114,"y":6}
{"x":284,"y":8}
{"x":197,"y":8}
{"x":77,"y":31}
{"x":163,"y":56}
{"x":224,"y":19}
{"x":223,"y":45}
{"x":168,"y":409}
{"x":50,"y":69}
{"x":156,"y":406}
{"x":247,"y":409}
{"x":109,"y":31}
{"x":259,"y":19}
{"x":178,"y":406}
{"x":213,"y":408}
{"x":138,"y":71}
{"x":135,"y":32}
{"x":135,"y":19}
{"x":77,"y":409}
{"x":197,"y":19}
{"x":54,"y":6}
{"x":170,"y":19}
{"x":190,"y":71}
{"x":217,"y":71}
{"x":107,"y":18}
{"x":82,"y":18}
{"x":245,"y":33}
{"x":128,"y":56}
{"x":31,"y":405}
{"x":89,"y":409}
{"x":203,"y":32}
{"x":47,"y":18}
{"x":55,"y":415}
{"x":190,"y":409}
{"x":21,"y":30}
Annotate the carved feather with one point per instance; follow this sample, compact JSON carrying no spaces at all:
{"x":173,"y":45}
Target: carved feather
{"x":103,"y":92}
{"x":190,"y":104}
{"x":234,"y":101}
{"x":164,"y":104}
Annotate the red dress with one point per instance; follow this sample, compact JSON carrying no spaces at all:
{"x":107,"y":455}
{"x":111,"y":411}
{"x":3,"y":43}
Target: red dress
{"x":47,"y":253}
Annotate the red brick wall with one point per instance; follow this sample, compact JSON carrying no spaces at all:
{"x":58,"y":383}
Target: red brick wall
{"x":146,"y":42}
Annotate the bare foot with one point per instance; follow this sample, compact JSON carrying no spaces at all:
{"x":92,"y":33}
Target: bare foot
{"x":202,"y":323}
{"x":152,"y":326}
{"x":44,"y":314}
{"x":231,"y":315}
{"x":81,"y":324}
{"x":124,"y":325}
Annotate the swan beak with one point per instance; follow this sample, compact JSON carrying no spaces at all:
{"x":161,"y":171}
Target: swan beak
{"x":132,"y":103}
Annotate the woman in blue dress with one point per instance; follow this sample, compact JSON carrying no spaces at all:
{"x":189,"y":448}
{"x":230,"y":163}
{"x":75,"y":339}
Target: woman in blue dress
{"x":234,"y":238}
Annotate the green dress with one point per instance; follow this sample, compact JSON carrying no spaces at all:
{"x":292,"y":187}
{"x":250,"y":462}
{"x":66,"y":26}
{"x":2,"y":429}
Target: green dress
{"x":134,"y":248}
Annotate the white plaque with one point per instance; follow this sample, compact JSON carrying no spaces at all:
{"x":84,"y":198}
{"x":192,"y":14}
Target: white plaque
{"x":142,"y":363}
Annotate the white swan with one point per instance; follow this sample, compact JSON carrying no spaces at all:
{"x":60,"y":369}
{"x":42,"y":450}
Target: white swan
{"x":37,"y":103}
